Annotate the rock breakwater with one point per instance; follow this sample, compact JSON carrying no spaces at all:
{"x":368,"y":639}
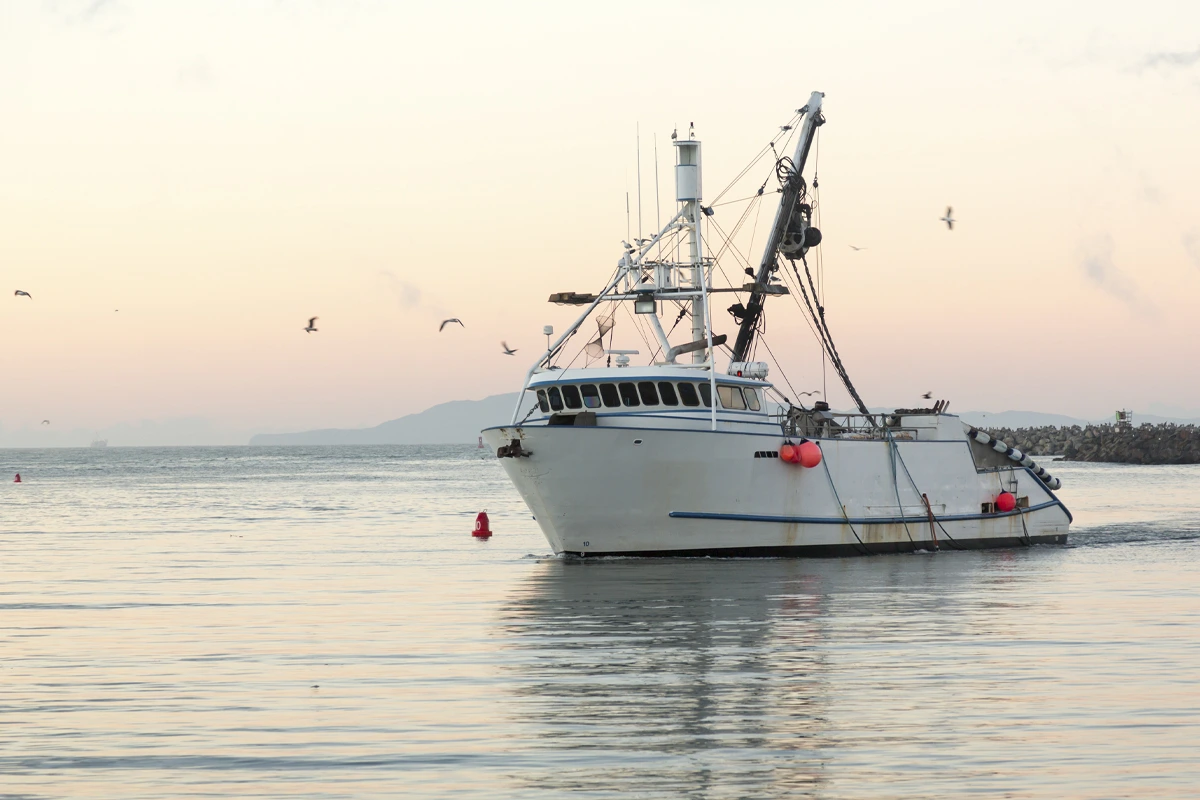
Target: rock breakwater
{"x":1144,"y":444}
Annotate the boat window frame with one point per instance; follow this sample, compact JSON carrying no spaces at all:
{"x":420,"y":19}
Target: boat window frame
{"x":542,"y":402}
{"x":705,"y":393}
{"x":648,"y":393}
{"x":731,"y":397}
{"x":666,"y":390}
{"x":630,"y":394}
{"x":569,"y":391}
{"x":751,"y":392}
{"x":553,"y":393}
{"x":595,"y":395}
{"x":686,"y":388}
{"x":605,"y":390}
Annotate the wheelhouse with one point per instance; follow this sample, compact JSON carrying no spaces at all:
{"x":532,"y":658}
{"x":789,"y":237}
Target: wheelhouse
{"x":632,"y":390}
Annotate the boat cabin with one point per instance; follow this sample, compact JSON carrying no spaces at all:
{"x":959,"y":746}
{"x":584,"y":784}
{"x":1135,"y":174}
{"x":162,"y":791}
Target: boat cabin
{"x":659,"y":391}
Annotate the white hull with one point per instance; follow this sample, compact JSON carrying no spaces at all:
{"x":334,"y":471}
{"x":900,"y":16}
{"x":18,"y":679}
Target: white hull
{"x":668,"y":457}
{"x":653,"y":491}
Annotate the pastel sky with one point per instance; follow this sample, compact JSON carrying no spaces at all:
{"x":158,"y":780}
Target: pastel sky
{"x":221,"y":171}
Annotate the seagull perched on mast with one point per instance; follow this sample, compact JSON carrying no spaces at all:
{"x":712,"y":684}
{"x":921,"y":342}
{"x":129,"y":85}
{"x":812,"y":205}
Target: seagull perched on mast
{"x":949,"y":218}
{"x":312,"y":328}
{"x":446,"y":322}
{"x":507,"y":350}
{"x":22,"y":293}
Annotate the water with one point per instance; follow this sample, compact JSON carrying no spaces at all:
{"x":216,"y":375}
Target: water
{"x":318,"y":622}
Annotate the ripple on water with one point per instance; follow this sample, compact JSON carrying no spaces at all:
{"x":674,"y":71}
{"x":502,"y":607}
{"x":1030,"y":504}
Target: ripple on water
{"x":318,"y":622}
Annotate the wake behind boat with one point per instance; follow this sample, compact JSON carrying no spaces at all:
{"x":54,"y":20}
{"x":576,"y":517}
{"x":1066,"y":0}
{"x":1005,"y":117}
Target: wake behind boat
{"x":675,"y":457}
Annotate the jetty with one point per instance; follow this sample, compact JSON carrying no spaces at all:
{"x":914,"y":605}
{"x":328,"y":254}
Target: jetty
{"x":1166,"y":443}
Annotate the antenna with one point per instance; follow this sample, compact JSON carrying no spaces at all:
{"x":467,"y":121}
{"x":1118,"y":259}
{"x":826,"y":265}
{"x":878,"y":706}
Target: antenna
{"x":657,"y":207}
{"x":639,"y":169}
{"x":627,"y":235}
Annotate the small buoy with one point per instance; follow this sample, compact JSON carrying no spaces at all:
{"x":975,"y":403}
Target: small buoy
{"x":1005,"y":502}
{"x":482,"y":529}
{"x":17,"y":479}
{"x":809,"y":454}
{"x":789,"y":453}
{"x":480,"y":443}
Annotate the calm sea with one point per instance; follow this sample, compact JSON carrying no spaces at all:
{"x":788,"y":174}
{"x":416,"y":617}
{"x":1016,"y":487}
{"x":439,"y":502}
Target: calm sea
{"x":318,"y":622}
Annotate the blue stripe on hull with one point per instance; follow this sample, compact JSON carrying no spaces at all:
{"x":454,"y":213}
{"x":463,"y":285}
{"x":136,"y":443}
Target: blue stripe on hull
{"x":859,"y":520}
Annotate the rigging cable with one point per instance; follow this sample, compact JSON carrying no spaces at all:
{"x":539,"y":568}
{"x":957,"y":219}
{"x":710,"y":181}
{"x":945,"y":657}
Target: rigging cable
{"x":781,"y":372}
{"x":953,"y":542}
{"x":816,"y":209}
{"x":808,"y":317}
{"x":757,"y":194}
{"x":834,"y":357}
{"x":791,"y":126}
{"x":838,"y":500}
{"x":1028,"y":542}
{"x":896,"y":481}
{"x":792,"y":294}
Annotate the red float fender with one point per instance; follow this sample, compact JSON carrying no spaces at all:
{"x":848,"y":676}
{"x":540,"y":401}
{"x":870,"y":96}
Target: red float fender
{"x":809,"y":453}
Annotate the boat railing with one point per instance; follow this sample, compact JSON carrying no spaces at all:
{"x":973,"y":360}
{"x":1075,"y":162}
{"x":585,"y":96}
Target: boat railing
{"x":832,"y":424}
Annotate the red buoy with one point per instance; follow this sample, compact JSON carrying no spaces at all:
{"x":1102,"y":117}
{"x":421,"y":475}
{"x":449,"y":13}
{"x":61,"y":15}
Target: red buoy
{"x":789,"y":453}
{"x":17,"y":479}
{"x":482,"y":529}
{"x":809,"y":454}
{"x":1005,"y":502}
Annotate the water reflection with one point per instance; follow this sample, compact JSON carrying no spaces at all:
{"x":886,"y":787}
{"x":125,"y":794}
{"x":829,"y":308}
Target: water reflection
{"x":718,"y":678}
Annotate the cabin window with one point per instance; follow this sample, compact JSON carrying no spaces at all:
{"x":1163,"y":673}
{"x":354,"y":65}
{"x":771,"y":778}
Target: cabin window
{"x":752,"y":401}
{"x":705,"y":394}
{"x":629,"y":395}
{"x":649,"y":396}
{"x":571,"y":396}
{"x":542,"y":404}
{"x":609,"y":393}
{"x":555,"y":399}
{"x":591,"y":397}
{"x":731,"y":397}
{"x":687,"y":393}
{"x":666,"y":391}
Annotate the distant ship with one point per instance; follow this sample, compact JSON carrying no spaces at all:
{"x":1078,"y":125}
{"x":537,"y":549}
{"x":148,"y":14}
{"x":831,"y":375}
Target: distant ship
{"x":677,"y":458}
{"x":99,"y":443}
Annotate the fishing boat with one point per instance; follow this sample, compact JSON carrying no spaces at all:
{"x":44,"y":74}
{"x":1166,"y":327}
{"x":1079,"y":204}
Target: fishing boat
{"x":689,"y":449}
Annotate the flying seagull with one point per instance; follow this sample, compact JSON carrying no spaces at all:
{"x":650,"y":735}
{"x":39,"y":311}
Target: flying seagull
{"x":446,"y":322}
{"x":927,"y":396}
{"x":22,"y":293}
{"x":806,"y":394}
{"x":949,"y":218}
{"x":312,"y":328}
{"x":852,"y":247}
{"x":45,"y":422}
{"x":507,"y":350}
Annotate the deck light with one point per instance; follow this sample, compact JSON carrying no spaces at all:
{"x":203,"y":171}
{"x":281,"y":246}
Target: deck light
{"x":645,"y":303}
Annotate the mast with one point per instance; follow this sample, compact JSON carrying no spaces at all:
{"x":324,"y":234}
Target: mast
{"x":688,"y":191}
{"x":792,"y":188}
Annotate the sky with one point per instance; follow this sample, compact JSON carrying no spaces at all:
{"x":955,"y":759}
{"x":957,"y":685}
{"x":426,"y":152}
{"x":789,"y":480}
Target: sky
{"x":183,"y":184}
